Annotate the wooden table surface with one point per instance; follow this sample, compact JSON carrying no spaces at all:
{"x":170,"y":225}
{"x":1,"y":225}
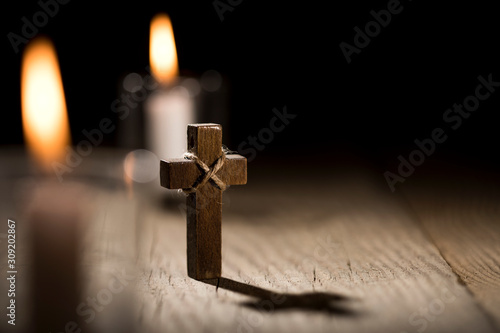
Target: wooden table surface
{"x":331,"y":251}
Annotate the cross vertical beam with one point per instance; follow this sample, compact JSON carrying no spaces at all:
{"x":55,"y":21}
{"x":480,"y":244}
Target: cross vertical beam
{"x":204,"y":206}
{"x":204,"y":215}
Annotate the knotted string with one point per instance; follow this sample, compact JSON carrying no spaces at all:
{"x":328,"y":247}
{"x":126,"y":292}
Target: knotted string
{"x":209,"y":173}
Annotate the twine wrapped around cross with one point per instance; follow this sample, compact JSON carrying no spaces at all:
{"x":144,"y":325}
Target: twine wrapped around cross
{"x":210,"y":173}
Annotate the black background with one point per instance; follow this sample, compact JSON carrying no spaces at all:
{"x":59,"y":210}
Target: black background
{"x":282,"y":53}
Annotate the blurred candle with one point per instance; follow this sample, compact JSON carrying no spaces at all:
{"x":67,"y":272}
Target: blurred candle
{"x":55,"y":214}
{"x":52,"y":208}
{"x":170,"y":108}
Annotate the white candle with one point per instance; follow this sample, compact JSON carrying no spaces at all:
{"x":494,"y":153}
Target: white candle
{"x":168,"y":112}
{"x":169,"y":109}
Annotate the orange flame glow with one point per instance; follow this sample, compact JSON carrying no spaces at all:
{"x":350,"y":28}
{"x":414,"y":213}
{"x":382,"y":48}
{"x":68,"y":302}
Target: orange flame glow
{"x":44,"y":115}
{"x":162,"y":51}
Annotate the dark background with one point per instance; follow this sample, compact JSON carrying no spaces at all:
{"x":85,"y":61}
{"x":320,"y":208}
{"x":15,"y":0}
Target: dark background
{"x":282,"y":53}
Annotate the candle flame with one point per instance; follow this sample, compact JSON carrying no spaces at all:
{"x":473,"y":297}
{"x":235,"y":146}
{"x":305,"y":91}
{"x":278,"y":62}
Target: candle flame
{"x":44,"y":115}
{"x":162,"y":51}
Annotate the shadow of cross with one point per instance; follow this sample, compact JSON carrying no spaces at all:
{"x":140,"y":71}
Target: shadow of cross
{"x":269,"y":301}
{"x":204,"y":175}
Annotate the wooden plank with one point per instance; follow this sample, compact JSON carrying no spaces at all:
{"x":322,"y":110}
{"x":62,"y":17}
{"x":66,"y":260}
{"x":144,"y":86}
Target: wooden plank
{"x":105,"y":251}
{"x":340,"y":256}
{"x":462,"y":216}
{"x":108,"y":263}
{"x":325,"y":252}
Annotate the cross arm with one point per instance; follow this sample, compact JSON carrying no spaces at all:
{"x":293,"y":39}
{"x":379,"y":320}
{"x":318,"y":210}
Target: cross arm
{"x":182,"y":173}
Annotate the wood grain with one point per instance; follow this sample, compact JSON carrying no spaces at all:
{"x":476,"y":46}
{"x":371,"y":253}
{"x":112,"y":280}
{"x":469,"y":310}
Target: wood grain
{"x":204,"y":210}
{"x":462,"y":216}
{"x":319,"y":254}
{"x":332,"y":251}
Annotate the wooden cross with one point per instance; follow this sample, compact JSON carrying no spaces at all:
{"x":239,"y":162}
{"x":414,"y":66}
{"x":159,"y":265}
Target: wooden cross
{"x":204,"y":203}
